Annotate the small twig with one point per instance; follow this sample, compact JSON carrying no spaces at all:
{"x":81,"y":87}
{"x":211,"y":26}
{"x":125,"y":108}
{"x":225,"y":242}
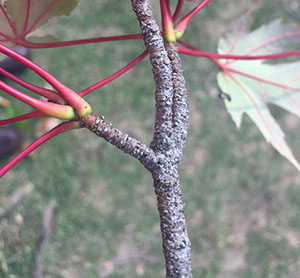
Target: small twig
{"x":15,"y":199}
{"x":120,"y":140}
{"x":47,"y":229}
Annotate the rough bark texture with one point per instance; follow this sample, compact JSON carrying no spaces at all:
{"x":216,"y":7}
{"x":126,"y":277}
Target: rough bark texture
{"x":165,"y":152}
{"x":171,"y":120}
{"x":180,"y":102}
{"x":162,"y":71}
{"x":120,"y":140}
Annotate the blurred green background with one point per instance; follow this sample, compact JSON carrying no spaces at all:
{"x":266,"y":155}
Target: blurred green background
{"x":242,"y":198}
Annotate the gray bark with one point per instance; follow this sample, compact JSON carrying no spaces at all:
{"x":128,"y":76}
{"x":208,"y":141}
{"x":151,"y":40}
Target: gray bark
{"x":165,"y":151}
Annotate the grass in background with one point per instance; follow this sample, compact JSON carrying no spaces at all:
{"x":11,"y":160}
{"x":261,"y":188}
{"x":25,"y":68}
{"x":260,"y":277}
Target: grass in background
{"x":241,"y":196}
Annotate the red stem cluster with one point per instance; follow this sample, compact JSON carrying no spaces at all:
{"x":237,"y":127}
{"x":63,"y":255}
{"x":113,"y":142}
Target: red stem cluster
{"x":63,"y":98}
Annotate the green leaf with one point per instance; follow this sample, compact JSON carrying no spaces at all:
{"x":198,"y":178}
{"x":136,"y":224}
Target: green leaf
{"x":252,"y":85}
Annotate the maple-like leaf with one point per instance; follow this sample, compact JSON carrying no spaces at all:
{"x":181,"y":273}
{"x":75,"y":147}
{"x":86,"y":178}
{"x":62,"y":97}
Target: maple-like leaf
{"x":252,"y":85}
{"x":19,"y":18}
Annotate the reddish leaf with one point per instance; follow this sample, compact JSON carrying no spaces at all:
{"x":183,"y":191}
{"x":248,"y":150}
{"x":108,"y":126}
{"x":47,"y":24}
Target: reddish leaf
{"x":28,"y":15}
{"x":251,"y":85}
{"x":18,"y":18}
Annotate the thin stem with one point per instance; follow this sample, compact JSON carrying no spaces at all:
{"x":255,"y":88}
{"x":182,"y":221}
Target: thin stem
{"x":237,"y":57}
{"x":34,"y":67}
{"x":7,"y":38}
{"x":36,"y":23}
{"x":26,"y":18}
{"x":61,"y":128}
{"x":167,"y":21}
{"x":81,"y":41}
{"x":49,"y":108}
{"x":214,"y":60}
{"x":268,"y":42}
{"x":81,"y":106}
{"x":178,"y":9}
{"x":257,"y":78}
{"x":192,"y":13}
{"x":11,"y":24}
{"x":181,"y":26}
{"x":31,"y":115}
{"x":49,"y":94}
{"x":114,"y":75}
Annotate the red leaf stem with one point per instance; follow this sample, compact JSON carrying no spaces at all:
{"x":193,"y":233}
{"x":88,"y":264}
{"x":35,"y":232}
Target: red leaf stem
{"x":49,"y":108}
{"x":114,"y":75}
{"x":34,"y":67}
{"x":168,"y":7}
{"x":266,"y":43}
{"x":41,"y":16}
{"x":274,"y":39}
{"x":237,"y":57}
{"x":167,"y":21}
{"x":26,"y":18}
{"x":31,"y":115}
{"x":61,"y":128}
{"x":81,"y":41}
{"x":260,"y":79}
{"x":49,"y":94}
{"x":181,"y":26}
{"x":7,"y":38}
{"x":11,"y":24}
{"x":80,"y":105}
{"x":178,"y":9}
{"x":197,"y":49}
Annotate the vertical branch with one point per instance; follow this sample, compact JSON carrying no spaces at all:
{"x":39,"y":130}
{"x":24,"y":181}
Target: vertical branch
{"x":175,"y":240}
{"x":180,"y":102}
{"x":162,"y":72}
{"x":170,"y":130}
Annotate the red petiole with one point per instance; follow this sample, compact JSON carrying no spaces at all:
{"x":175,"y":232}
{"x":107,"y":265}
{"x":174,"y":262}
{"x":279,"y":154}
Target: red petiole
{"x":31,"y":115}
{"x":115,"y":75}
{"x":79,"y":104}
{"x":51,"y":109}
{"x":77,"y":42}
{"x":200,"y":53}
{"x":49,"y":94}
{"x":181,"y":26}
{"x":178,"y":9}
{"x":167,"y":21}
{"x":61,"y":128}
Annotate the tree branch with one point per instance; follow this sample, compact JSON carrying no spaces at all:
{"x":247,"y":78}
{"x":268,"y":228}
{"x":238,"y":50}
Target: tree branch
{"x":162,"y":71}
{"x":170,"y":130}
{"x":120,"y":140}
{"x":180,"y":102}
